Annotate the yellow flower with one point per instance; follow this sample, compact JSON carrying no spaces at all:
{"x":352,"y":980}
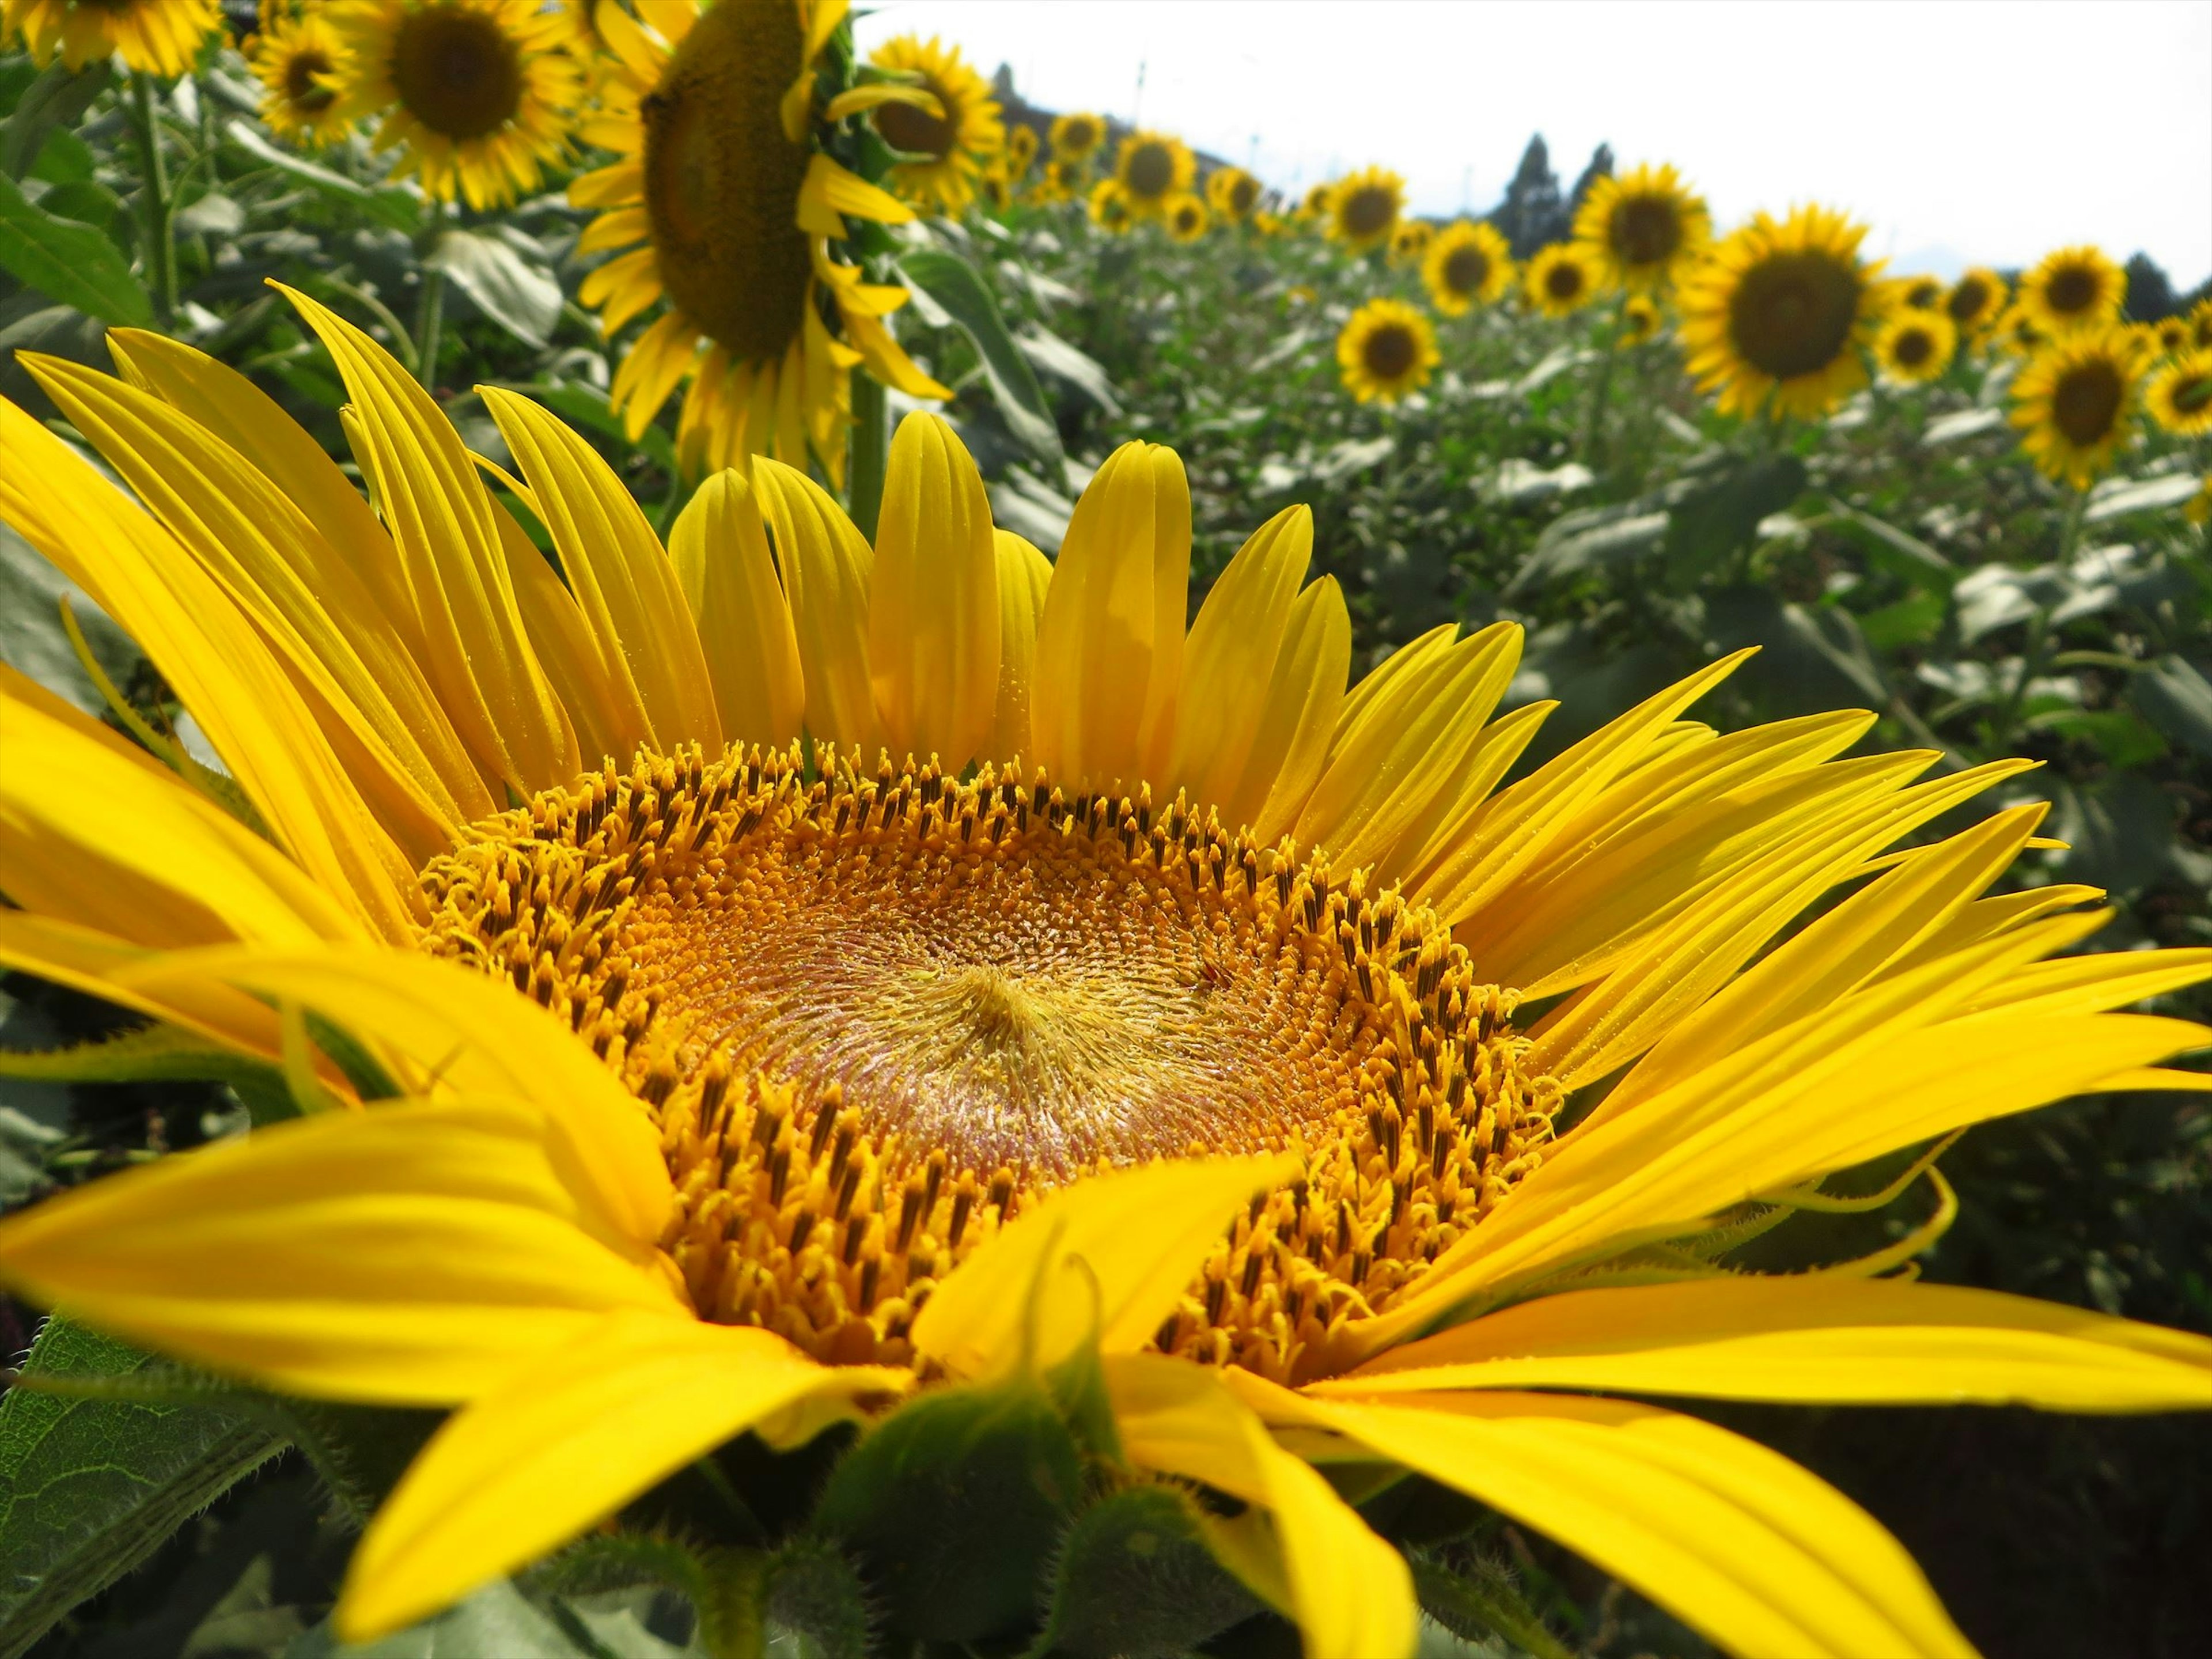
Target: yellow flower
{"x":2017,"y":332}
{"x":1409,"y":243}
{"x":159,"y":37}
{"x":1644,"y":228}
{"x":1077,"y":137}
{"x":2200,"y":323}
{"x":299,"y":62}
{"x":1640,"y":320}
{"x":1063,"y":180}
{"x":2169,"y":335}
{"x":1921,"y":293}
{"x":1313,"y":205}
{"x":1021,"y":150}
{"x":1186,"y":217}
{"x":1232,"y":193}
{"x":1915,"y":344}
{"x":1976,"y":301}
{"x":1561,"y":279}
{"x":723,"y":206}
{"x":2179,"y":396}
{"x":952,"y":147}
{"x":1153,"y":168}
{"x":2075,"y":400}
{"x":2197,"y":509}
{"x":1386,"y":350}
{"x":1778,"y":316}
{"x":1362,"y":209}
{"x":750,"y":1087}
{"x":1467,"y":264}
{"x":1109,"y":209}
{"x":478,"y":95}
{"x":2073,"y":288}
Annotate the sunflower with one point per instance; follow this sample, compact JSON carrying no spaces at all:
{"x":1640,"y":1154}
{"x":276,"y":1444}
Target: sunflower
{"x":2075,"y":400}
{"x":2017,"y":331}
{"x":1077,"y":137}
{"x":1778,"y":316}
{"x":157,"y":37}
{"x":726,"y":207}
{"x":1361,"y":208}
{"x":1915,"y":344}
{"x":995,"y":191}
{"x":299,"y":62}
{"x":2180,"y":395}
{"x":1186,"y":1028}
{"x":1021,"y":150}
{"x":1640,"y":320}
{"x":1313,"y":206}
{"x":2200,"y":323}
{"x":1387,"y":349}
{"x":2197,"y":509}
{"x":1153,"y":168}
{"x":1064,"y":181}
{"x":1644,"y":229}
{"x":2073,"y":288}
{"x":949,"y":150}
{"x":1109,"y":207}
{"x":1232,"y":193}
{"x":1976,"y":301}
{"x":1561,"y":279}
{"x":1186,"y":217}
{"x":1921,"y":293}
{"x":1468,"y":263}
{"x":2168,"y":335}
{"x":1409,"y":243}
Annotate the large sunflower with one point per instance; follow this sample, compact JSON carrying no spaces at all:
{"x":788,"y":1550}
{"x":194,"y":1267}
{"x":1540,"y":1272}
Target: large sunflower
{"x":1561,"y":279}
{"x":1077,"y":137}
{"x":159,"y":37}
{"x":1467,"y":264}
{"x":951,"y":148}
{"x":1153,"y":168}
{"x":1021,"y":151}
{"x":1211,"y":1060}
{"x":1232,"y":193}
{"x":727,"y":207}
{"x":1362,"y":209}
{"x":1386,"y":350}
{"x":1646,"y":228}
{"x":478,"y":95}
{"x":2180,"y":395}
{"x":2073,"y":288}
{"x":1776,"y":318}
{"x":299,"y":61}
{"x":1976,"y":301}
{"x":2075,"y":401}
{"x":1915,"y":344}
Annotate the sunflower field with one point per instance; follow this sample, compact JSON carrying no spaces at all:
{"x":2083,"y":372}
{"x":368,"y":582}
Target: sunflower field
{"x":793,"y":861}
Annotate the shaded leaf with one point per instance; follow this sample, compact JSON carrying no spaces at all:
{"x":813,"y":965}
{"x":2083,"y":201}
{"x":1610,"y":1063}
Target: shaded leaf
{"x":951,"y":282}
{"x":1053,"y":355}
{"x":520,"y":297}
{"x":397,"y":208}
{"x":53,"y":102}
{"x":2174,"y":696}
{"x":1586,"y":540}
{"x":1712,"y":523}
{"x":497,"y":1620}
{"x":68,"y":260}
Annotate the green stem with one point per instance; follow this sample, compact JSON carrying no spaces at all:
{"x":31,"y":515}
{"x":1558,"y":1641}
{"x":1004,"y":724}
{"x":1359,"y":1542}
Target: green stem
{"x":871,"y":448}
{"x":160,"y":239}
{"x":2069,"y":533}
{"x":1602,"y":389}
{"x":429,"y":323}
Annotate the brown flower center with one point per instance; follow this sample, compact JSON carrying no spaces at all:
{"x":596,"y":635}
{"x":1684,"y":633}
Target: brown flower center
{"x":1466,"y":270}
{"x":2071,"y":290}
{"x":1151,"y":172}
{"x":1793,"y":314}
{"x":1389,"y":351}
{"x":456,"y":71}
{"x":1368,"y":211}
{"x":917,"y":131}
{"x":2086,"y":403}
{"x":302,"y":91}
{"x":1646,"y":230}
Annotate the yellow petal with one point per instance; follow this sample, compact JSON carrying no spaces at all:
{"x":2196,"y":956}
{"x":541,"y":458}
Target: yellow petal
{"x":721,"y":557}
{"x":1024,"y":578}
{"x":1141,"y":1236}
{"x":859,"y":99}
{"x":933,"y":600}
{"x":826,"y":565}
{"x":566,"y":647}
{"x":568,"y":1440}
{"x":1304,"y":694}
{"x":1350,"y":1591}
{"x":831,"y":191}
{"x":1230,"y":661}
{"x":1110,"y":644}
{"x":412,"y":1253}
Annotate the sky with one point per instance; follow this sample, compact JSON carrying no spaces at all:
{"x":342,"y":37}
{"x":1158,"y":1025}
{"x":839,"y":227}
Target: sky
{"x":1963,"y":131}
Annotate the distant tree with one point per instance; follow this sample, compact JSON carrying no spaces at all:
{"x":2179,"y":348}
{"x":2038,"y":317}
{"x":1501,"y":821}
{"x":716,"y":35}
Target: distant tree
{"x":2150,"y":295}
{"x":1600,"y":167}
{"x":1532,"y":213}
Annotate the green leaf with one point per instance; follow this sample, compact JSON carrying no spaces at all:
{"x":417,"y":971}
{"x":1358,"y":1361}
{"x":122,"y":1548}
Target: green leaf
{"x":89,"y":1488}
{"x":32,"y":639}
{"x":520,"y":297}
{"x":1913,"y":621}
{"x":1719,"y":520}
{"x":2174,"y":696}
{"x":498,"y":1620}
{"x":1585,"y":540}
{"x":1477,"y":1598}
{"x":951,"y":282}
{"x":1054,"y":357}
{"x":1903,"y":554}
{"x":65,"y":260}
{"x":1134,"y":1577}
{"x":65,"y":159}
{"x":54,"y":101}
{"x":814,"y":1592}
{"x":397,"y":208}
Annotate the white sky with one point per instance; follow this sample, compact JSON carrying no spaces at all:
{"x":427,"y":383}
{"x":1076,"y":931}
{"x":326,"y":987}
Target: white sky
{"x":1962,"y":130}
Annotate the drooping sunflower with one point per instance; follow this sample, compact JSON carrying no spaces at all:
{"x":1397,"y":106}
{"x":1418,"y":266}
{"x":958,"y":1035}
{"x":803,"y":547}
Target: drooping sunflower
{"x":1646,"y":228}
{"x":1640,"y":320}
{"x":1915,"y":344}
{"x":1109,"y":208}
{"x":1021,"y":150}
{"x":721,"y":210}
{"x":1777,"y":316}
{"x":2180,"y":395}
{"x":1561,"y":279}
{"x":2018,"y":332}
{"x":1063,"y":180}
{"x":1095,"y":998}
{"x":158,"y":37}
{"x":1921,"y":293}
{"x":1386,"y":350}
{"x":2169,"y":335}
{"x":1313,"y":206}
{"x":2073,"y":288}
{"x":2075,"y":401}
{"x":1467,"y":264}
{"x":949,"y":150}
{"x":1077,"y":137}
{"x":1186,"y":217}
{"x":478,"y":95}
{"x":1153,"y":168}
{"x":1409,"y":243}
{"x":1232,"y":193}
{"x":1976,"y":301}
{"x":298,"y":59}
{"x":1362,"y":209}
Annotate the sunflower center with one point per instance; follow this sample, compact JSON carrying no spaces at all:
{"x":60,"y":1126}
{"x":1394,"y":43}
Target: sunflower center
{"x":1368,"y":211}
{"x":1793,"y":314}
{"x":1911,"y":348}
{"x":1564,"y":281}
{"x":722,"y":181}
{"x":916,"y":130}
{"x":2071,"y":290}
{"x":2191,"y":394}
{"x":1151,"y":170}
{"x":876,"y":1015}
{"x":2086,"y":402}
{"x":1242,"y":193}
{"x":1389,"y":351}
{"x":456,"y":71}
{"x":1968,"y":300}
{"x":1080,"y":137}
{"x":303,"y":90}
{"x":1646,"y":231}
{"x":1466,"y":269}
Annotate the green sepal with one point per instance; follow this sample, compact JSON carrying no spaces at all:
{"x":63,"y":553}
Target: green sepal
{"x":1476,"y":1598}
{"x":158,"y":1053}
{"x":360,"y":1451}
{"x":1134,"y":1577}
{"x":816,"y":1594}
{"x":952,"y":1507}
{"x":727,"y":1588}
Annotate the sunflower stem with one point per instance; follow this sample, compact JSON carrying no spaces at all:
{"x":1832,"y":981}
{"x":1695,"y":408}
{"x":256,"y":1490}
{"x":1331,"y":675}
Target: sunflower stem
{"x":872,"y":448}
{"x":1602,"y":389}
{"x":161,"y":238}
{"x":430,"y":304}
{"x":2070,"y":532}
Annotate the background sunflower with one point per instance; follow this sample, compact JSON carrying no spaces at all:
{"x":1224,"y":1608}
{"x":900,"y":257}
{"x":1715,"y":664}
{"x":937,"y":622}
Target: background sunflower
{"x":1561,"y":279}
{"x":299,"y":59}
{"x":1362,"y":209}
{"x":1776,"y":319}
{"x":1645,"y":226}
{"x":1152,"y":168}
{"x":1386,"y":351}
{"x":2074,"y":399}
{"x":1467,"y":264}
{"x":948,"y":152}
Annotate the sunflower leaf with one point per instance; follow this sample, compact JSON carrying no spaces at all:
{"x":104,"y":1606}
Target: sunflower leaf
{"x":397,"y":208}
{"x":68,"y":260}
{"x":520,"y":297}
{"x":52,"y":102}
{"x":952,"y":283}
{"x":1134,"y":1577}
